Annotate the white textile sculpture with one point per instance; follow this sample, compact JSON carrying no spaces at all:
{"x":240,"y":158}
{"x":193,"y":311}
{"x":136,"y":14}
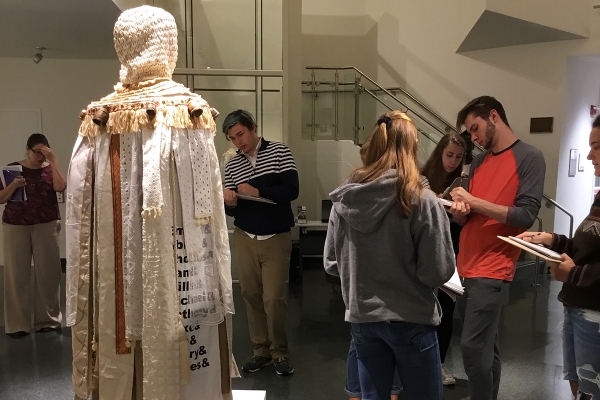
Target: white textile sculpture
{"x":148,"y":265}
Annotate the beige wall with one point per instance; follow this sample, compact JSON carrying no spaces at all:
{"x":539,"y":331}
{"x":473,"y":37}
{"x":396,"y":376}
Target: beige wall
{"x":60,"y":89}
{"x":413,"y":44}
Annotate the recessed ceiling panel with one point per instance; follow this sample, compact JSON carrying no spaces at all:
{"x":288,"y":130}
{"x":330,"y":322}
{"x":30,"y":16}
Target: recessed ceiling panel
{"x":498,"y":30}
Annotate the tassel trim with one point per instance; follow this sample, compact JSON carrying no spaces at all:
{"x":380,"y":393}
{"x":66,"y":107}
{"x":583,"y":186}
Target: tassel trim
{"x":153,"y":212}
{"x":132,"y":117}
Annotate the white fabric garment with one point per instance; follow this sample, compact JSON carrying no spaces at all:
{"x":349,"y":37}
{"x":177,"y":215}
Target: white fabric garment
{"x":160,"y":343}
{"x":204,"y":363}
{"x":198,"y":279}
{"x":78,"y":232}
{"x":153,"y":162}
{"x":202,"y":183}
{"x":221,"y":235}
{"x":151,"y":180}
{"x":131,"y":204}
{"x":187,"y":199}
{"x":115,"y":370}
{"x":79,"y":172}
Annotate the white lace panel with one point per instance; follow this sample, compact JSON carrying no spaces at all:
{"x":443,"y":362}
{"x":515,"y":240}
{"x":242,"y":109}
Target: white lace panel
{"x":200,"y":155}
{"x":131,"y":203}
{"x":151,"y":180}
{"x":219,"y":231}
{"x":181,"y":151}
{"x":160,"y":346}
{"x":198,"y":281}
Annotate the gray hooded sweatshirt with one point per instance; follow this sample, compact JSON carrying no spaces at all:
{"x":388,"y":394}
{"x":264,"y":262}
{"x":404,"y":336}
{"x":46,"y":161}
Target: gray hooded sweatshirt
{"x":388,"y":265}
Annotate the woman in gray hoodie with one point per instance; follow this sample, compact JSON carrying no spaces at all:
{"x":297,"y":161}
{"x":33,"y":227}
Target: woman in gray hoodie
{"x":389,"y":241}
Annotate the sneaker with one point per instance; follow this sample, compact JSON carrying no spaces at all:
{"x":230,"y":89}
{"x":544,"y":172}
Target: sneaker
{"x":256,"y":362}
{"x":447,"y":378}
{"x":283,"y":367}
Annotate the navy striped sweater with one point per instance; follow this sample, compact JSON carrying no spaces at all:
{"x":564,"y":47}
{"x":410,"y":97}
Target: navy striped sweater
{"x":276,"y":178}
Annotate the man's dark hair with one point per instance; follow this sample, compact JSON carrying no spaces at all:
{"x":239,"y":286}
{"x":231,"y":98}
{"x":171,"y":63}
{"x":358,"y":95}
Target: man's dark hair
{"x":35,"y":139}
{"x":596,"y":123}
{"x":241,"y":117}
{"x":468,"y":157}
{"x":481,"y":107}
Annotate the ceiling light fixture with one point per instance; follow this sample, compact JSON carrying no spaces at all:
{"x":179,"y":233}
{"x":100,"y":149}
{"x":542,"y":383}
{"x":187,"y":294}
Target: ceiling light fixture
{"x":38,"y":56}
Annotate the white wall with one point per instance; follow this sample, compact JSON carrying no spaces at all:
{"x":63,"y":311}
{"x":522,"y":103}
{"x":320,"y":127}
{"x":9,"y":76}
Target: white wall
{"x":413,"y":44}
{"x":60,"y":88}
{"x":582,"y":90}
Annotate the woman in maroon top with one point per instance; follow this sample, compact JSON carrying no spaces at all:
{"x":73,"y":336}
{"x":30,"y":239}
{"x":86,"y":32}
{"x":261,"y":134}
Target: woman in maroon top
{"x":31,"y":229}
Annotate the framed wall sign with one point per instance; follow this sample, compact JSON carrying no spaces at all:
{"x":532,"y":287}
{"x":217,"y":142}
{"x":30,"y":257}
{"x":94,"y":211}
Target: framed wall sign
{"x":572,"y":162}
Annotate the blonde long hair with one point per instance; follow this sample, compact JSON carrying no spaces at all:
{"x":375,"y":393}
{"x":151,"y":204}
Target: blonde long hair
{"x":393,"y":144}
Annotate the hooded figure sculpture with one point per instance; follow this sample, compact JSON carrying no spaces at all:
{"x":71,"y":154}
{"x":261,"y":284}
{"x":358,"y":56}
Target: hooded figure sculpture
{"x":148,"y":265}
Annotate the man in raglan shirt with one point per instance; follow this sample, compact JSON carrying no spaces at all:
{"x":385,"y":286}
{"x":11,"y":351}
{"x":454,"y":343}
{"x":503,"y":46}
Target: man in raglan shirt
{"x":262,"y":238}
{"x":505,"y":190}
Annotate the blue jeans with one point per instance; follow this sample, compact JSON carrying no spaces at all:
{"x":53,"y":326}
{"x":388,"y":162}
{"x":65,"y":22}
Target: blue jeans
{"x":353,"y":380}
{"x":411,"y":349}
{"x":581,"y":352}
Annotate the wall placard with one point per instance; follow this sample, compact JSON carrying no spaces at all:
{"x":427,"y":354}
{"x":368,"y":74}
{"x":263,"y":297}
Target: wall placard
{"x":572,"y":162}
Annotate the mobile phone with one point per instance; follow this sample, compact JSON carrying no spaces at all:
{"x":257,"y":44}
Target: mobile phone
{"x":458,"y":182}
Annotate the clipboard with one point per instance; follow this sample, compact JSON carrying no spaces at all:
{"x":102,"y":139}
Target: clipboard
{"x":255,"y":198}
{"x":535,"y":249}
{"x":9,"y":173}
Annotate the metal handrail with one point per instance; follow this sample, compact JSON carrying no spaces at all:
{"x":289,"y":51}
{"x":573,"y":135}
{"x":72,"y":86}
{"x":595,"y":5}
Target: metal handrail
{"x":229,"y":72}
{"x":561,"y":208}
{"x":391,"y":109}
{"x":448,"y":125}
{"x":433,"y":113}
{"x":385,"y":91}
{"x":537,"y":258}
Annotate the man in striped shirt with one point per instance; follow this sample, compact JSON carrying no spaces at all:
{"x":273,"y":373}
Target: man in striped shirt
{"x":263,"y":245}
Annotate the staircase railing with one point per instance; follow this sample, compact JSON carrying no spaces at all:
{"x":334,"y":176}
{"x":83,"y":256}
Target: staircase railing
{"x":360,"y":88}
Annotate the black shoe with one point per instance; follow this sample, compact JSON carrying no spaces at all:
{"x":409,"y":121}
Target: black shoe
{"x":18,"y":334}
{"x":48,"y":329}
{"x":283,"y":366}
{"x":256,"y":362}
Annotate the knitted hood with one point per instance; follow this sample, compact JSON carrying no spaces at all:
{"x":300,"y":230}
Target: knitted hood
{"x":146,"y":44}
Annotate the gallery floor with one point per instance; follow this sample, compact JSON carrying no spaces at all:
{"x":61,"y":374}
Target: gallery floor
{"x":38,"y":366}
